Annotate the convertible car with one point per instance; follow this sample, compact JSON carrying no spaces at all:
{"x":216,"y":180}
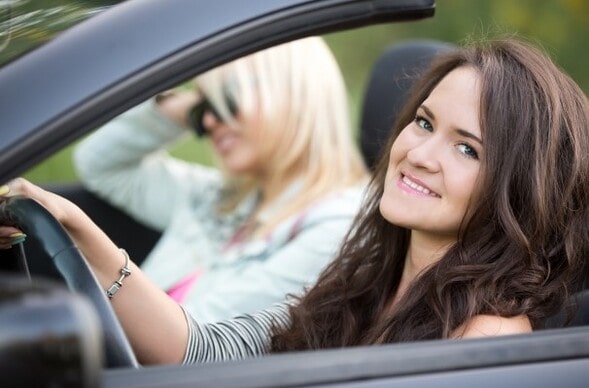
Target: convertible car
{"x":56,"y":326}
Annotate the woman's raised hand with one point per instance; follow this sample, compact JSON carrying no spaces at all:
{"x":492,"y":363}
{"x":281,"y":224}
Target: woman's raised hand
{"x":175,"y":105}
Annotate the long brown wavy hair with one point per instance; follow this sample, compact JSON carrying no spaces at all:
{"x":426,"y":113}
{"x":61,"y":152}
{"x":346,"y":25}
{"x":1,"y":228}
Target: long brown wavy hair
{"x":521,"y":245}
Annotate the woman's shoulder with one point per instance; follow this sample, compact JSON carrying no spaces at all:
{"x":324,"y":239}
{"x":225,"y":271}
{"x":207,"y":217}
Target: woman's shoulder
{"x":483,"y":325}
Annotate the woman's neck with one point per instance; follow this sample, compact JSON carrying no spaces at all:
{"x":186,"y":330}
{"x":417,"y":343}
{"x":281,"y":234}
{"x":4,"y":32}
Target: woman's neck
{"x":424,"y":251}
{"x":275,"y":195}
{"x":272,"y":187}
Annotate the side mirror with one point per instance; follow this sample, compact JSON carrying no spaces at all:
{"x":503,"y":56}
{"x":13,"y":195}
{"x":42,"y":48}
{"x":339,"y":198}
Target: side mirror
{"x":48,"y":336}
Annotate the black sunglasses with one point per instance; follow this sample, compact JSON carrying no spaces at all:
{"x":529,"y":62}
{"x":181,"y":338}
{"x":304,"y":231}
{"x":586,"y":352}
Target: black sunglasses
{"x":196,"y":114}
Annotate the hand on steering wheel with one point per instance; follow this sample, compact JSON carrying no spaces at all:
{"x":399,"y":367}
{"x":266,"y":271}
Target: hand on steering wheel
{"x":18,"y":213}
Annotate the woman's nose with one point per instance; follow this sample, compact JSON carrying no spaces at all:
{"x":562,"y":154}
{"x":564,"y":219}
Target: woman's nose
{"x":426,"y":154}
{"x":210,"y":121}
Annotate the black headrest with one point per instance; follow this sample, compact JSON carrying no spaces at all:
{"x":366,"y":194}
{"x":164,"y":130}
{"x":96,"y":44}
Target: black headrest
{"x":391,"y":78}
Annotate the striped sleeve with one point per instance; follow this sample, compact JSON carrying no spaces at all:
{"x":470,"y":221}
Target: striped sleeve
{"x":244,"y":336}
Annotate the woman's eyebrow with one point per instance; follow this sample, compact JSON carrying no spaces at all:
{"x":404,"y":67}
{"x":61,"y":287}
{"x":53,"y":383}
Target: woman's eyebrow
{"x":469,"y":135}
{"x":427,"y":111}
{"x":461,"y":132}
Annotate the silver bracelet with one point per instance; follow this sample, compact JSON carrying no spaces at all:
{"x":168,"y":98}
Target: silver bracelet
{"x":125,"y":271}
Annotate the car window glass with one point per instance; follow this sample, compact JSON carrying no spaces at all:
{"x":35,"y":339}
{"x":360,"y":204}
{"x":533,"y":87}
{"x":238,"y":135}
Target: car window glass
{"x":26,"y":24}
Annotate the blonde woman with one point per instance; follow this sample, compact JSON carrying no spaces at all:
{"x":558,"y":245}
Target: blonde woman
{"x":266,"y":222}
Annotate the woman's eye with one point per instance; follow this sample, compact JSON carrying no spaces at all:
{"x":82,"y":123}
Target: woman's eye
{"x":468,"y":151}
{"x":423,"y":123}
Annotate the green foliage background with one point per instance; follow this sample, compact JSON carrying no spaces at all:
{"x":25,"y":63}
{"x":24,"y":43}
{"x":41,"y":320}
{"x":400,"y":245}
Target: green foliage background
{"x":561,"y":27}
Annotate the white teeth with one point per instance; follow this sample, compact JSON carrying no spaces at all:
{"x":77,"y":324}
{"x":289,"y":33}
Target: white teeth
{"x":417,"y":187}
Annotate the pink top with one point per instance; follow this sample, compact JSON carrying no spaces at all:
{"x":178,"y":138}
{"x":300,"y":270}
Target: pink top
{"x":180,"y":290}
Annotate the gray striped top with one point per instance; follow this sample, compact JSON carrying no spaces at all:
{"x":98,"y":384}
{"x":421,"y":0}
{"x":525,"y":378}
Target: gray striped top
{"x":245,"y":336}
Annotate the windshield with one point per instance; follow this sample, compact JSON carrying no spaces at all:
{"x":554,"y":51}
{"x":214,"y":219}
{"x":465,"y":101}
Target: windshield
{"x":26,"y":24}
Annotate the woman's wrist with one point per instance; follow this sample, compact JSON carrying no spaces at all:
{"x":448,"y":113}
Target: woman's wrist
{"x":124,"y":272}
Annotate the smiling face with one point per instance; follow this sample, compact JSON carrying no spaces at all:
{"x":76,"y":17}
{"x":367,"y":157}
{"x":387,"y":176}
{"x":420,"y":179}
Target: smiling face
{"x":434,"y":162}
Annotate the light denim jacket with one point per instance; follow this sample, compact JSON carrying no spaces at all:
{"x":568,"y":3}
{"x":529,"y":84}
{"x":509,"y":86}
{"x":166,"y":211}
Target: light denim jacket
{"x":125,"y":162}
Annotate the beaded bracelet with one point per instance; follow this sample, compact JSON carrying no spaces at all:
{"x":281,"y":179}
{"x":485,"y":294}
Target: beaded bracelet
{"x":125,"y":271}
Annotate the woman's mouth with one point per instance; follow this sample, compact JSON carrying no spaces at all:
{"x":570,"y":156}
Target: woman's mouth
{"x":224,"y":143}
{"x":414,"y":187}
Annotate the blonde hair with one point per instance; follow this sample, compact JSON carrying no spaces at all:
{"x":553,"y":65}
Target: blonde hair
{"x":297,"y":94}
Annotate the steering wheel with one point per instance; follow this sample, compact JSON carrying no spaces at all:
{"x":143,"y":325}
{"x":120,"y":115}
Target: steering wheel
{"x":34,"y":220}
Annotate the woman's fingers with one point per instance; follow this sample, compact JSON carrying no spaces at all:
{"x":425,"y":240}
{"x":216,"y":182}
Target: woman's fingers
{"x":176,"y":105}
{"x":9,"y":236}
